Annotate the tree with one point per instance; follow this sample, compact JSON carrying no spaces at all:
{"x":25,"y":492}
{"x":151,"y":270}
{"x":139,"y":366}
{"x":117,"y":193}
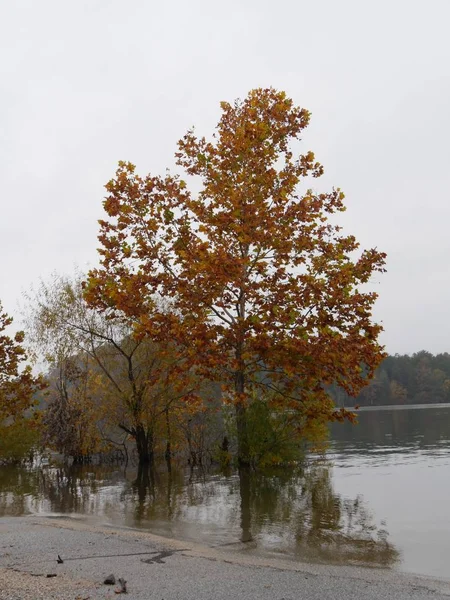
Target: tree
{"x":398,"y":394}
{"x":139,"y":383}
{"x":70,"y":421}
{"x":265,"y":289}
{"x":17,"y":382}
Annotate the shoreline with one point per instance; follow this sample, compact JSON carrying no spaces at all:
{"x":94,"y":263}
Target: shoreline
{"x":29,"y":547}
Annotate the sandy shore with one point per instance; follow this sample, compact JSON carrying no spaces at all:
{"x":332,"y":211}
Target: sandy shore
{"x":162,"y":569}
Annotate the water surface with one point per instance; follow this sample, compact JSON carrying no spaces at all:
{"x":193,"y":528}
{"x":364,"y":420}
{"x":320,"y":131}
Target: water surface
{"x":398,"y":460}
{"x":379,"y":497}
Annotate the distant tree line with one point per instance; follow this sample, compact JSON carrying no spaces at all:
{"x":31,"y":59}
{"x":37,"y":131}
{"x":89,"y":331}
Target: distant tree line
{"x":420,"y":378}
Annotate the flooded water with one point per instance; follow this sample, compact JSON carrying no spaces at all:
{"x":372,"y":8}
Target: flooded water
{"x":380,"y":498}
{"x":398,"y":460}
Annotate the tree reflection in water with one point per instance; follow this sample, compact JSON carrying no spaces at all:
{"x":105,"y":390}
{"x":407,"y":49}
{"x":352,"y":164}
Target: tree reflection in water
{"x":295,"y":512}
{"x":338,"y":529}
{"x":300,"y":513}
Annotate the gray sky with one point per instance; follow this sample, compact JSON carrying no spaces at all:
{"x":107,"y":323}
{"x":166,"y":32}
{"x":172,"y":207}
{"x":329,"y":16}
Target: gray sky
{"x":85,"y":83}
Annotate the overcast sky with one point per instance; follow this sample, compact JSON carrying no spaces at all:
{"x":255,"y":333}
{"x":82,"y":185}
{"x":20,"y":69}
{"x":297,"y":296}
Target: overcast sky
{"x":85,"y":83}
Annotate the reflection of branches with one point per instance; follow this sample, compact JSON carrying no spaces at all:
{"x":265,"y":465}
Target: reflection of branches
{"x":299,"y":508}
{"x":58,"y":490}
{"x":330,"y":528}
{"x":303,"y":511}
{"x":71,"y":489}
{"x":17,"y":486}
{"x":153,"y":495}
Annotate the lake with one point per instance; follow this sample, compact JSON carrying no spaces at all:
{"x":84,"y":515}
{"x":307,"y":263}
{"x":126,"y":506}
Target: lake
{"x":380,"y":497}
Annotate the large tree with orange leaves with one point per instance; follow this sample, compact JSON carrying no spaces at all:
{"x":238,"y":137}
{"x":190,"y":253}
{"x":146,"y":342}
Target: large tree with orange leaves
{"x":267,"y":293}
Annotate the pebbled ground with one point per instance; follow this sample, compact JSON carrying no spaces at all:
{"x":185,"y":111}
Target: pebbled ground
{"x":160,"y":569}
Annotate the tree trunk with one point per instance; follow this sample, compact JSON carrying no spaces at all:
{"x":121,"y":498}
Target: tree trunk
{"x":144,"y":445}
{"x":242,"y":435}
{"x":241,"y":422}
{"x":168,"y":453}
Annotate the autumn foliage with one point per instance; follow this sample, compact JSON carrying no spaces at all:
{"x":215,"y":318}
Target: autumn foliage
{"x":17,"y":382}
{"x":268,"y":295}
{"x":106,"y":387}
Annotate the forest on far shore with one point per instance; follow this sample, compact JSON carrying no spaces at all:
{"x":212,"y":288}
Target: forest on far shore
{"x":421,"y":378}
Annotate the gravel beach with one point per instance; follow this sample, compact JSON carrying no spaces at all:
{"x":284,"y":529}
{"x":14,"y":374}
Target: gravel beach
{"x":162,"y":569}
